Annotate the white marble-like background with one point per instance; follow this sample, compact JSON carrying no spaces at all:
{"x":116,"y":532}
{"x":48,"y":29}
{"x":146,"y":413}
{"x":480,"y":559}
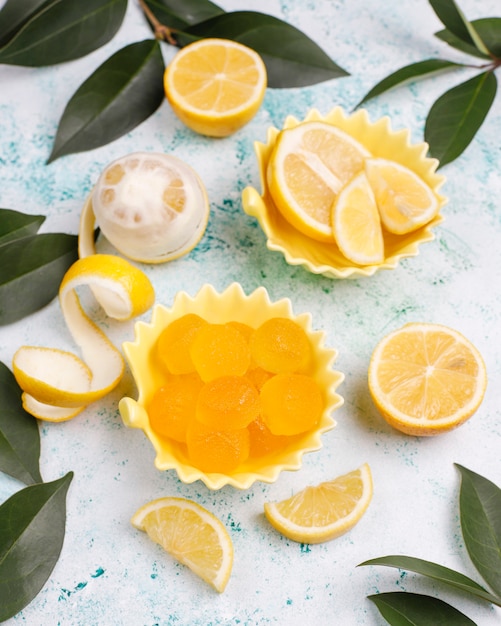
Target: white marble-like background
{"x":111,"y":575}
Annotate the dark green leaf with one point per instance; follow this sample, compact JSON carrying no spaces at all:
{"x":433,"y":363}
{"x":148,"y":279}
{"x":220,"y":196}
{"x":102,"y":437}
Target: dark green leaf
{"x":64,"y":30}
{"x":178,"y":14}
{"x":406,"y":73}
{"x":123,"y":92}
{"x":292,"y":59}
{"x":32,"y":528}
{"x":16,"y":13}
{"x":489,"y":29}
{"x":455,"y":117}
{"x":437,"y":572}
{"x":480,"y":514}
{"x":400,"y":608}
{"x":452,"y":18}
{"x":16,"y":225}
{"x":31,"y":270}
{"x":19,"y":436}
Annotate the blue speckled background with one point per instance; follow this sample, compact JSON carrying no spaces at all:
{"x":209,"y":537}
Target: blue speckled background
{"x":112,"y":575}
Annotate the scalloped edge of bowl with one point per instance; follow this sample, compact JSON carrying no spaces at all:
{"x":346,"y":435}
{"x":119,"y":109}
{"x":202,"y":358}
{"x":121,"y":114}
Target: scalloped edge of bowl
{"x":207,"y":303}
{"x":379,"y":138}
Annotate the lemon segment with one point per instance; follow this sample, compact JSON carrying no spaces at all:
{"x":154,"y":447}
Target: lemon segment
{"x":404,"y":200}
{"x":356,"y":224}
{"x":323,"y":512}
{"x":215,"y":86}
{"x":56,"y":384}
{"x":151,"y":207}
{"x":192,"y":535}
{"x":426,"y":379}
{"x":308,"y":167}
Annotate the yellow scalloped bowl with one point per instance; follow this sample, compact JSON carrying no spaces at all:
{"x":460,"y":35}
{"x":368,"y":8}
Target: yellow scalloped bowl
{"x":326,"y":258}
{"x":252,"y":309}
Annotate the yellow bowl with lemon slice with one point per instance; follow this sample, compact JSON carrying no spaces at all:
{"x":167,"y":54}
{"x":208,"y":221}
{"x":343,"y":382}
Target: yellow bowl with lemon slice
{"x":231,"y":305}
{"x":306,"y":237}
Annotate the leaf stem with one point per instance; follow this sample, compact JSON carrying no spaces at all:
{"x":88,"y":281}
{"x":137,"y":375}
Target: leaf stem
{"x":163,"y":33}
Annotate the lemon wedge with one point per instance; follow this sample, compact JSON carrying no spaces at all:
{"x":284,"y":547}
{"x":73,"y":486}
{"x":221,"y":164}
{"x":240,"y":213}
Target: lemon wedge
{"x":404,"y":200}
{"x":323,"y":512}
{"x":151,"y":207}
{"x":56,"y":384}
{"x":356,"y":223}
{"x":192,"y":535}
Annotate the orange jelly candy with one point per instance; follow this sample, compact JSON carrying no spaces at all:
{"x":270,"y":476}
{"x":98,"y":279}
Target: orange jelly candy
{"x":291,"y":404}
{"x":219,"y":350}
{"x":262,"y":440}
{"x":280,"y":345}
{"x":173,"y":344}
{"x":172,"y":406}
{"x":212,"y":450}
{"x":228,"y":402}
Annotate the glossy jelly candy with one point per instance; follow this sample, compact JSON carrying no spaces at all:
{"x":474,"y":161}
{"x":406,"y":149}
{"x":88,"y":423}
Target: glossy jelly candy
{"x":219,"y":350}
{"x":291,"y":404}
{"x":280,"y":345}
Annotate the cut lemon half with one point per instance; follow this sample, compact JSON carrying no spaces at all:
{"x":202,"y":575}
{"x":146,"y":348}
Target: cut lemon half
{"x":56,"y":384}
{"x":152,"y":207}
{"x":191,"y":534}
{"x":308,"y":167}
{"x":215,"y":86}
{"x":356,"y":224}
{"x":404,"y":200}
{"x":426,"y":379}
{"x":325,"y":511}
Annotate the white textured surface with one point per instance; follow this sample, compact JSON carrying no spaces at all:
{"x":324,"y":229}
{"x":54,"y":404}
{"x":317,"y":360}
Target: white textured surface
{"x":111,"y":575}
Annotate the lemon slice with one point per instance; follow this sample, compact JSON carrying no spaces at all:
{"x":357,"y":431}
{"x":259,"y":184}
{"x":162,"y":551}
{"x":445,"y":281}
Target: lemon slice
{"x":426,"y":378}
{"x":56,"y":384}
{"x":325,"y":511}
{"x":152,"y":207}
{"x":356,"y":223}
{"x":308,"y":167}
{"x":215,"y":86}
{"x":190,"y":534}
{"x":404,"y":200}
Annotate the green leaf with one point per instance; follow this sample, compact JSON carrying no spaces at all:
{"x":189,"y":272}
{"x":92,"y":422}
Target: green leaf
{"x":63,"y":31}
{"x":32,"y":528}
{"x":400,"y":608}
{"x":480,"y":515}
{"x":19,"y":436}
{"x":489,"y":30}
{"x":16,"y":225}
{"x":31,"y":270}
{"x":455,"y":117}
{"x":16,"y":13}
{"x":437,"y":572}
{"x":123,"y":92}
{"x":407,"y":73}
{"x":292,"y":59}
{"x":178,"y":14}
{"x":452,"y":18}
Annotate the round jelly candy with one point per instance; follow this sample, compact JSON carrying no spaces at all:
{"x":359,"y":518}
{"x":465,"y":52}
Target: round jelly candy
{"x":291,"y":404}
{"x":173,"y":344}
{"x":172,"y":406}
{"x":280,"y":345}
{"x":212,"y":450}
{"x":228,"y":402}
{"x":219,"y":350}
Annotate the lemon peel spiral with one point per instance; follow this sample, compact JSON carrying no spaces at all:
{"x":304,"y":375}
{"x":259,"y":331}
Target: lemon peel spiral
{"x":57,"y":384}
